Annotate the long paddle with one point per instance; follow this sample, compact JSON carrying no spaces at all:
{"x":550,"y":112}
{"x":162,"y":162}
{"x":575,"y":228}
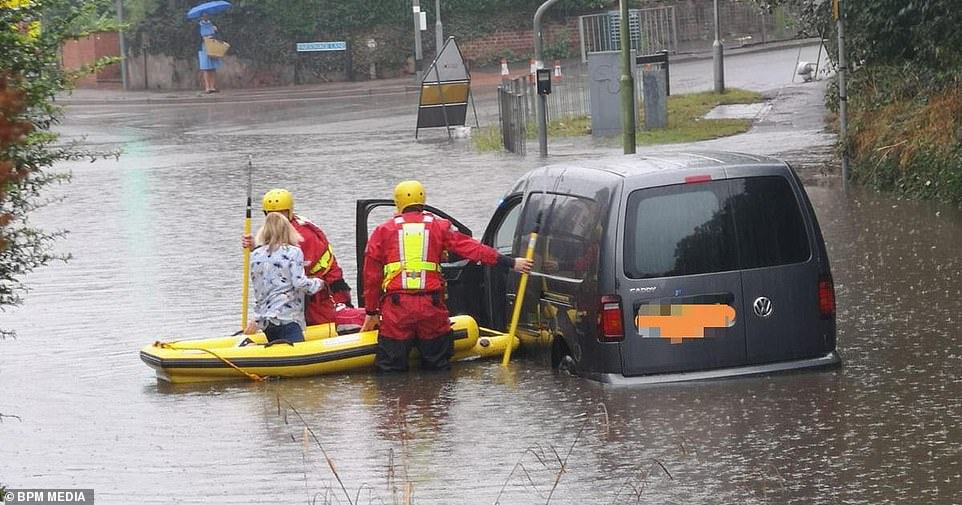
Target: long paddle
{"x":247,"y":251}
{"x":519,"y":298}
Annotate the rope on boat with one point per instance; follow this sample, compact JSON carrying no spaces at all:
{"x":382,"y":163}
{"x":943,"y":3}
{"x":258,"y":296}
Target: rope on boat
{"x":250,"y":375}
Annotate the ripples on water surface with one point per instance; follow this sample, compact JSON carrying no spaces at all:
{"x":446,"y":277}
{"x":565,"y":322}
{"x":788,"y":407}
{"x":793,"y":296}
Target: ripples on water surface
{"x":155,"y":245}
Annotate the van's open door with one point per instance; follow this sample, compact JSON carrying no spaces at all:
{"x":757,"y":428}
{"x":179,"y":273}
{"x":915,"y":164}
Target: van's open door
{"x":501,"y":234}
{"x":463,"y":277}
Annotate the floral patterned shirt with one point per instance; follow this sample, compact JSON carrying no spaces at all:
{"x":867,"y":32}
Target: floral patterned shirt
{"x":280,"y":285}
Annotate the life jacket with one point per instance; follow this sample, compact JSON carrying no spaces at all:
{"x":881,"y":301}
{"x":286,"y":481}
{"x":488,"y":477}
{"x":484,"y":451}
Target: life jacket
{"x":413,"y":262}
{"x":326,"y":260}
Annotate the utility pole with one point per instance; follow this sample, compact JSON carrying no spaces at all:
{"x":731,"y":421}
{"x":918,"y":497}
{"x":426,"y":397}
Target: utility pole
{"x":123,"y":44}
{"x":438,"y":30}
{"x":417,"y":40}
{"x":627,"y":82}
{"x":718,"y":57}
{"x":541,"y":103}
{"x":839,"y":13}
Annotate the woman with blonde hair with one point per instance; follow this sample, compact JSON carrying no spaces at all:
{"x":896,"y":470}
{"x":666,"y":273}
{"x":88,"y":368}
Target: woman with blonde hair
{"x":279,"y":283}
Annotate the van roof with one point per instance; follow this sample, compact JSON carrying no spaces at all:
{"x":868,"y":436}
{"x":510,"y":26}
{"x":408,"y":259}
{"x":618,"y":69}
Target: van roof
{"x":641,"y":164}
{"x":594,"y":177}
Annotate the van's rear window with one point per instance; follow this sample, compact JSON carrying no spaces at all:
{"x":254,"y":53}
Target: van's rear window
{"x":721,"y":225}
{"x":679,"y":230}
{"x":768,"y":222}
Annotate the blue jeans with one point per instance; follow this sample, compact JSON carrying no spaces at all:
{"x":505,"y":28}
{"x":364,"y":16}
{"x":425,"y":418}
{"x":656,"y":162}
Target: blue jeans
{"x":290,"y":332}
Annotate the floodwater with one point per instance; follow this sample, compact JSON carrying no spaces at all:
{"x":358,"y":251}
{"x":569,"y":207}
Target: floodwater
{"x":155,"y":245}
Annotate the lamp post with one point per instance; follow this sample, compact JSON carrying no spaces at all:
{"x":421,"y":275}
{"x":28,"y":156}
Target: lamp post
{"x":626,"y":83}
{"x":718,"y":57}
{"x":438,"y":30}
{"x":123,"y":44}
{"x":541,"y":102}
{"x":838,"y":12}
{"x":417,"y":39}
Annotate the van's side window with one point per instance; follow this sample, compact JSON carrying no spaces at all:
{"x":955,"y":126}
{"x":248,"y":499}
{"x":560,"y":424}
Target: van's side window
{"x":568,"y":245}
{"x":768,"y":222}
{"x":679,"y":230}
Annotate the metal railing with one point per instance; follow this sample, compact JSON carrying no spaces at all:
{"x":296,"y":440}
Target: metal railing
{"x":569,"y":94}
{"x":569,"y":99}
{"x":513,"y":107}
{"x":652,"y":30}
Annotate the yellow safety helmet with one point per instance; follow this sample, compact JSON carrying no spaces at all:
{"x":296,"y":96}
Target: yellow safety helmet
{"x":278,"y":199}
{"x":408,"y":193}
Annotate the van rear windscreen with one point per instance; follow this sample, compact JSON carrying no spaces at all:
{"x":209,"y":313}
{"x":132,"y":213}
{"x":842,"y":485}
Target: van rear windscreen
{"x":716,"y":226}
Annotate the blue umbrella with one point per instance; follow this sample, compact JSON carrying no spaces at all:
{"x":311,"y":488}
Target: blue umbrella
{"x":208,"y":7}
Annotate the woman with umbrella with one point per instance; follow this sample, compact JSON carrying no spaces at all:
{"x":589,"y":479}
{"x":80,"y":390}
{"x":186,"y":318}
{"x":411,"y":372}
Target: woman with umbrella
{"x":208,"y":64}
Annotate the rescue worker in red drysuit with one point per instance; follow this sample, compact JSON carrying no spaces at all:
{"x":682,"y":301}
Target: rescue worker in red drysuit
{"x":319,"y":260}
{"x":403,"y":285}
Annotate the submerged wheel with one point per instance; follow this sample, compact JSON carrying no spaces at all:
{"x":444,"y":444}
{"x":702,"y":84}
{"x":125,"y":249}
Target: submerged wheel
{"x":561,"y":357}
{"x":568,"y":365}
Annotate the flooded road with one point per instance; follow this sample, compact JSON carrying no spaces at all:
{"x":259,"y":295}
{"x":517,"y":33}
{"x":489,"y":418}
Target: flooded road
{"x":883,"y":428}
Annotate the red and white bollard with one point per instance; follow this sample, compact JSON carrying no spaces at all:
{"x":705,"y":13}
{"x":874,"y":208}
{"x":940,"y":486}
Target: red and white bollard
{"x":504,"y":67}
{"x":532,"y":70}
{"x":557,"y":70}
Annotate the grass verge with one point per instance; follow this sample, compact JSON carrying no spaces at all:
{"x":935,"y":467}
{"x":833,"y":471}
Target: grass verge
{"x":905,"y":132}
{"x":686,"y":122}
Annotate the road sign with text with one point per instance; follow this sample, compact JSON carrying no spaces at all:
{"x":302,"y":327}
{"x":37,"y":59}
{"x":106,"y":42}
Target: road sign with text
{"x":310,"y":47}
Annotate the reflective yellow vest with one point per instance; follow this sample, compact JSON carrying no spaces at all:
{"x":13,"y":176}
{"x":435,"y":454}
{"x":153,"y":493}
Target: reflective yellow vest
{"x":413,"y":242}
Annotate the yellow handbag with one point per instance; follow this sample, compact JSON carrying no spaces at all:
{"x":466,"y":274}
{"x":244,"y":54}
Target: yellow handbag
{"x":215,"y":48}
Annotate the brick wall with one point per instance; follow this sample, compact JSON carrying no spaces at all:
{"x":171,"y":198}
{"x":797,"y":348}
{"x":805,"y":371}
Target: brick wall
{"x":519,"y":46}
{"x":86,"y":51}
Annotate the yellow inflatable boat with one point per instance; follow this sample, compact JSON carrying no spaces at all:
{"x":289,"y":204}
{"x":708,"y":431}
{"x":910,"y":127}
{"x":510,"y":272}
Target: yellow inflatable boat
{"x":323,"y":352}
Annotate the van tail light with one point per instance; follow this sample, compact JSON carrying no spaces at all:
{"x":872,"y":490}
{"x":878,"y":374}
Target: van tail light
{"x":826,"y":296}
{"x":610,"y":326}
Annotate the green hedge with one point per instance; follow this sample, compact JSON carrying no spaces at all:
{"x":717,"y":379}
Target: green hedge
{"x":264,"y":32}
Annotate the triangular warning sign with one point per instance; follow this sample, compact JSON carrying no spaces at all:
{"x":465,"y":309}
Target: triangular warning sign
{"x":445,"y":90}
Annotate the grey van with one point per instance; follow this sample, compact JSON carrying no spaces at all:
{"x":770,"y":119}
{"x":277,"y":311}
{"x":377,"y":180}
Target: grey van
{"x":656,"y":268}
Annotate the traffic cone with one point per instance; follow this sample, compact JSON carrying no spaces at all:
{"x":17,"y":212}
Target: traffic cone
{"x":557,"y":70}
{"x":504,"y":67}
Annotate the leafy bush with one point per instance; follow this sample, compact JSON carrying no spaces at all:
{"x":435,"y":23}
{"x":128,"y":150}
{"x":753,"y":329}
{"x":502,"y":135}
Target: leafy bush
{"x":905,"y":98}
{"x":558,"y":47}
{"x":160,"y":27}
{"x":30,"y":78}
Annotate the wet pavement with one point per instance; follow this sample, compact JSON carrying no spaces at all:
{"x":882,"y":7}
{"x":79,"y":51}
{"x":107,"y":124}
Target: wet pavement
{"x":156,"y":256}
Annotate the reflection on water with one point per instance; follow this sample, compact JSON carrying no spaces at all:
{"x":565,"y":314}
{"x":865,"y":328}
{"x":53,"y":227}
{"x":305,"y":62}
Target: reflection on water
{"x":155,"y":245}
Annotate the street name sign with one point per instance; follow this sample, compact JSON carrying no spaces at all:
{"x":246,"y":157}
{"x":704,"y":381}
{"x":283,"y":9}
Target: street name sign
{"x":310,"y":47}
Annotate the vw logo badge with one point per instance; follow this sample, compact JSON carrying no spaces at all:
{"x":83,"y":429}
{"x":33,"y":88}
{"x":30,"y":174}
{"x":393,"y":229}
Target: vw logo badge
{"x":763,"y":307}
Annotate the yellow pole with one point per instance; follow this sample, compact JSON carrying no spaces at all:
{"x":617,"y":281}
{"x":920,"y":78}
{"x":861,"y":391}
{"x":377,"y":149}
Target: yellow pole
{"x":519,"y":299}
{"x":247,"y":251}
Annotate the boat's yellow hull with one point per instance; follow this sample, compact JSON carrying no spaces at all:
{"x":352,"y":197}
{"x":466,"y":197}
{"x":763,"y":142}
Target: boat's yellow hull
{"x":215,"y":359}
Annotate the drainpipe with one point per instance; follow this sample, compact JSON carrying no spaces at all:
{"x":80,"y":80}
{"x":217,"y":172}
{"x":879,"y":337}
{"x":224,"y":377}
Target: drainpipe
{"x":541,"y":103}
